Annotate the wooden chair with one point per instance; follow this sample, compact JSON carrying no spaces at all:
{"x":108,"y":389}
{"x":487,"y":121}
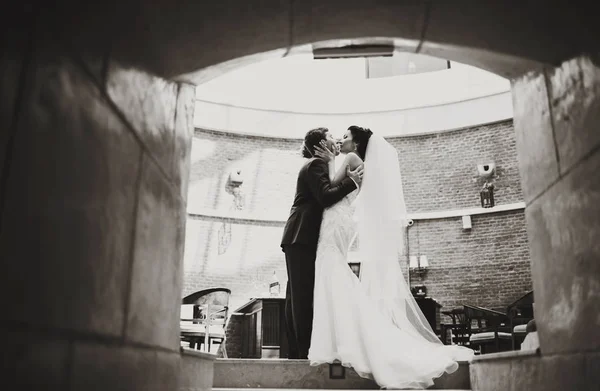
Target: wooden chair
{"x":490,"y":334}
{"x":519,"y":313}
{"x":208,"y":310}
{"x":459,"y":331}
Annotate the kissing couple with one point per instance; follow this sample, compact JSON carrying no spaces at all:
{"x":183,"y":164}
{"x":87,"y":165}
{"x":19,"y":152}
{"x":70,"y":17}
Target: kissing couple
{"x":372,"y":324}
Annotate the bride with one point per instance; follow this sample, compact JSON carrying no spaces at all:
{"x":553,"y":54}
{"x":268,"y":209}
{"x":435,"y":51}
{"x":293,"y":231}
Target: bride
{"x":373,"y":324}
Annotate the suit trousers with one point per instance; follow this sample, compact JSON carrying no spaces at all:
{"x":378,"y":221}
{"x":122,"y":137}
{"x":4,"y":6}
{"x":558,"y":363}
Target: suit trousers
{"x":289,"y":319}
{"x":300,"y":260}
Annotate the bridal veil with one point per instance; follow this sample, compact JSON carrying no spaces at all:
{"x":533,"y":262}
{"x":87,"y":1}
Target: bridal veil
{"x":380,"y":213}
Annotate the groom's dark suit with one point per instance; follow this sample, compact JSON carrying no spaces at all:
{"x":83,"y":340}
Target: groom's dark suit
{"x":314,"y":192}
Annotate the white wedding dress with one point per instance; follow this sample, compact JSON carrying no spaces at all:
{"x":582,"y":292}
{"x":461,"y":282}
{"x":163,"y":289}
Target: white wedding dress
{"x":354,"y":324}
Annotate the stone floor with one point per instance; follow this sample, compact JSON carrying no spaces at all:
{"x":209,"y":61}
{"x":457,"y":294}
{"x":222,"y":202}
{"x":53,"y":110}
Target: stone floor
{"x":230,"y":374}
{"x":293,"y":389}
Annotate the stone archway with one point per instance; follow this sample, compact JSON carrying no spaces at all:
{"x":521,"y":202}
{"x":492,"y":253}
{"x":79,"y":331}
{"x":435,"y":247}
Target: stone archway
{"x":94,"y":152}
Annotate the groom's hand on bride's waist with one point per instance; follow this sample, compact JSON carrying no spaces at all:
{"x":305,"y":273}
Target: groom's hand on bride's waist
{"x":356,"y":175}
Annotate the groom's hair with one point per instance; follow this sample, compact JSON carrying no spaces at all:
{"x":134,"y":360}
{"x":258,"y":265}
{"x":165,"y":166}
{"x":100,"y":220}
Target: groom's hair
{"x":313,"y":138}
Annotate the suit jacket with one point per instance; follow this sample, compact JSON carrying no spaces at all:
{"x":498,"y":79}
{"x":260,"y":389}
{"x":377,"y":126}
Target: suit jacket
{"x":314,"y":192}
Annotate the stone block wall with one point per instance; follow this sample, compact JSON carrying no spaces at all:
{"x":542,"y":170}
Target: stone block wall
{"x":557,"y":120}
{"x":94,"y":161}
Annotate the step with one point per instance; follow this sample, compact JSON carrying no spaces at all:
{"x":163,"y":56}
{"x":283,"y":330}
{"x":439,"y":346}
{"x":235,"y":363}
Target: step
{"x":196,"y":370}
{"x":292,"y":389}
{"x":519,"y":370}
{"x":298,"y":374}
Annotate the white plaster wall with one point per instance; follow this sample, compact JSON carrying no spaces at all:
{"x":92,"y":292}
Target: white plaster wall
{"x":286,"y":97}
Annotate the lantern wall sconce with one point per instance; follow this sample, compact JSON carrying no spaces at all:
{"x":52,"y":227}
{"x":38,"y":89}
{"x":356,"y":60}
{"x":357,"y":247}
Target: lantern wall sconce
{"x":236,"y":178}
{"x":418,"y":264}
{"x":487,"y":195}
{"x":486,"y":170}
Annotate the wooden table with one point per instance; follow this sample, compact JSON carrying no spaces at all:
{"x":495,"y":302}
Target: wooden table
{"x":263,"y":328}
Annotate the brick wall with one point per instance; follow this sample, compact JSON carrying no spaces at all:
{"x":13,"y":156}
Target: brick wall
{"x":487,"y":265}
{"x":245,"y":267}
{"x":439,"y":171}
{"x":269,"y":167}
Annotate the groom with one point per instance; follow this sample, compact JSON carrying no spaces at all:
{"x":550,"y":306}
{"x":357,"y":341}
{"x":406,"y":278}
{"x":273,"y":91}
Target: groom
{"x":314,"y":192}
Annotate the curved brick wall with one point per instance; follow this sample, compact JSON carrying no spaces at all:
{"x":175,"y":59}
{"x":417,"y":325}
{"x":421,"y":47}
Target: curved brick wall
{"x":487,"y":266}
{"x":439,"y":170}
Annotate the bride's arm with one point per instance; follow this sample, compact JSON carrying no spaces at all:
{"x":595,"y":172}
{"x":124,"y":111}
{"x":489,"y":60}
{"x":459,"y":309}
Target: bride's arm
{"x":352,"y":161}
{"x":331,"y":165}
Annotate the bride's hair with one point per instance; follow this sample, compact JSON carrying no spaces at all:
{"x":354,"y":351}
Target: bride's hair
{"x":313,"y":137}
{"x":361,"y":137}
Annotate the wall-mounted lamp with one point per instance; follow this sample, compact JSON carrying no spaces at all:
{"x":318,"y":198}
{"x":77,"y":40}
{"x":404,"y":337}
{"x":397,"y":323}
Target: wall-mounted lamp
{"x":487,"y":195}
{"x":414,"y":262}
{"x":236,"y":178}
{"x":486,"y":170}
{"x":418,"y":264}
{"x":233,"y":186}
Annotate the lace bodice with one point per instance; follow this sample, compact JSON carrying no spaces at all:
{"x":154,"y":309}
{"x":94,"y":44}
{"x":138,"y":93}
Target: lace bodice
{"x":338,"y":226}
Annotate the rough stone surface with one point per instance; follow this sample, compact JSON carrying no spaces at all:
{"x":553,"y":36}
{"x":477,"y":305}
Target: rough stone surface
{"x":275,"y":373}
{"x":246,"y":373}
{"x":155,"y":297}
{"x":507,"y":371}
{"x":458,"y":380}
{"x":12,"y":63}
{"x":446,"y":38}
{"x":196,"y":371}
{"x":109,"y":367}
{"x":331,"y":19}
{"x":184,"y":130}
{"x":575,"y":96}
{"x":538,"y":162}
{"x":563,"y":372}
{"x":563,"y":228}
{"x":67,"y":231}
{"x":67,"y":223}
{"x":528,"y":371}
{"x":33,"y":362}
{"x":221,"y":31}
{"x":592,"y":365}
{"x":173,"y":40}
{"x":149,"y":104}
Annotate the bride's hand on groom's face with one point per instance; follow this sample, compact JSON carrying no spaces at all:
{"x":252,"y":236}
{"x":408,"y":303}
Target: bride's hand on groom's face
{"x":324,"y":152}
